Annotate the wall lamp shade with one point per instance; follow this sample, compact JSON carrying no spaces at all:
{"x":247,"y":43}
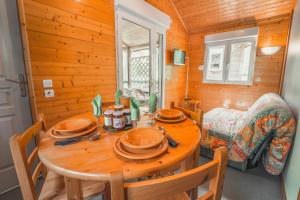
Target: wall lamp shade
{"x":270,"y":50}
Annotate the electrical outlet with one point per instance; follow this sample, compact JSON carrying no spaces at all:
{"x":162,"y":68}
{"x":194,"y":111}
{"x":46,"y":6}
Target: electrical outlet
{"x":200,"y":67}
{"x":47,"y":84}
{"x":49,"y":93}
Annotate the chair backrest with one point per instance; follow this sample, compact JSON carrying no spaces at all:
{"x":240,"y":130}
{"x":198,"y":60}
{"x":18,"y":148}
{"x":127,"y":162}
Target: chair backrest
{"x":27,"y":165}
{"x":196,"y":116}
{"x":213,"y":171}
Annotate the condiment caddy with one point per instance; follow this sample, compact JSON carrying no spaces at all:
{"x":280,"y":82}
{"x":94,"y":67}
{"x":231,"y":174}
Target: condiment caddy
{"x":117,"y":119}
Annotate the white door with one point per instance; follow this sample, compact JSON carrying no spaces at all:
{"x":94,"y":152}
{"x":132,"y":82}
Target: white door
{"x":15,"y":115}
{"x":140,"y":58}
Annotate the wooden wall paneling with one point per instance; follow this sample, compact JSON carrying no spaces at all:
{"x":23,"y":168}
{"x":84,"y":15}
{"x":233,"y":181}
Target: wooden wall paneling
{"x":72,"y":43}
{"x":66,"y":18}
{"x":268,"y":70}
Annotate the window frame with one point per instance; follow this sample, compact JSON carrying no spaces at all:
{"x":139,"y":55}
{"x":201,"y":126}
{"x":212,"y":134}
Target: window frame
{"x":228,"y":46}
{"x":222,"y":43}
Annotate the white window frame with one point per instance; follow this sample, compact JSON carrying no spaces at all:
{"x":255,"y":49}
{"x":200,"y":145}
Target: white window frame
{"x":227,"y":39}
{"x":206,"y":62}
{"x":145,"y":15}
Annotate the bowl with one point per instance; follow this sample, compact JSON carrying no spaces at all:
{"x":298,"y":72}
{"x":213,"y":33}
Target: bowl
{"x":169,"y":113}
{"x":118,"y":148}
{"x":140,"y":151}
{"x":141,"y":138}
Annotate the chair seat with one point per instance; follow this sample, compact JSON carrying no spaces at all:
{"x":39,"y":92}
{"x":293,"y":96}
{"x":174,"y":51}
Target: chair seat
{"x":54,"y":188}
{"x":224,"y":123}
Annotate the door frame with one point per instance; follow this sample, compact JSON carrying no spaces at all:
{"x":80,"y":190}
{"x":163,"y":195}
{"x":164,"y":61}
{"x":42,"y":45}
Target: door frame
{"x":27,"y":59}
{"x":154,"y":27}
{"x":14,"y":63}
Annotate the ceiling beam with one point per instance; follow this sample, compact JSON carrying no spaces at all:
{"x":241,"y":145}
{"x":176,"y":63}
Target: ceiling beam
{"x":179,"y":16}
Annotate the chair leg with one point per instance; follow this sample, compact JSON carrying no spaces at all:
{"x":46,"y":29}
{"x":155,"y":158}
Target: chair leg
{"x":194,"y":194}
{"x":106,"y":193}
{"x":189,"y":164}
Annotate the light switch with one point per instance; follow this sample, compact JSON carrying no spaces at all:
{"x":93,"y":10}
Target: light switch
{"x":47,"y":83}
{"x":49,"y":93}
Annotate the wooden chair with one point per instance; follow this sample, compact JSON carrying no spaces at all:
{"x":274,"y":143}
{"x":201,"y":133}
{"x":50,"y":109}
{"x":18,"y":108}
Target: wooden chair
{"x":191,"y":104}
{"x":175,"y":187}
{"x":196,"y":116}
{"x":29,"y":169}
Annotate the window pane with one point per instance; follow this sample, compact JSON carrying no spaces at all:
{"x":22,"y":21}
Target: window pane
{"x":239,"y":65}
{"x":215,"y":62}
{"x":136,"y":60}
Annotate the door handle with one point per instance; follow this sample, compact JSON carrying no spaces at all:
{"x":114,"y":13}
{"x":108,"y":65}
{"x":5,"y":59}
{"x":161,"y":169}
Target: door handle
{"x":22,"y":83}
{"x":14,"y":81}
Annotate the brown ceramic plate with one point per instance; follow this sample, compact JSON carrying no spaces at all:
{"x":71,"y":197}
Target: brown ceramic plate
{"x":74,"y":125}
{"x":58,"y":135}
{"x":158,"y":118}
{"x":142,"y":138}
{"x":169,"y":114}
{"x":118,"y":148}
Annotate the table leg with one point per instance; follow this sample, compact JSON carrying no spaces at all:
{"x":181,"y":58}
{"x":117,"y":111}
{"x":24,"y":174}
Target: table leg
{"x":73,"y":189}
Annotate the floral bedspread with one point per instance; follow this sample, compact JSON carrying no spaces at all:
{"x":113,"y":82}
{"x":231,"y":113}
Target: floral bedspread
{"x":244,"y":132}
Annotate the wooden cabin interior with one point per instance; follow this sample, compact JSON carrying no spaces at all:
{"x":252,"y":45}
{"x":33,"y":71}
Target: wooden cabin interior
{"x":149,"y":99}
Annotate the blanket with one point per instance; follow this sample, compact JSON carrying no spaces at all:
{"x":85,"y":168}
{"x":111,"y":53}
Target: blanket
{"x":244,"y":132}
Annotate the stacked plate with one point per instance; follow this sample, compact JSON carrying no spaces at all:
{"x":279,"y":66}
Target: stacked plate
{"x":141,"y":143}
{"x":73,"y":128}
{"x":169,"y":116}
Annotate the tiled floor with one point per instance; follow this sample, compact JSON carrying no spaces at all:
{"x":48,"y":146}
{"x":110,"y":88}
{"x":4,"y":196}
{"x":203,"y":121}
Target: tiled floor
{"x":255,"y":184}
{"x":14,"y":194}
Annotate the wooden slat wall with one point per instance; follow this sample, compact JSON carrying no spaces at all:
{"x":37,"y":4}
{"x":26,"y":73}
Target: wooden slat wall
{"x":177,"y":37}
{"x":267,"y":73}
{"x":202,"y":15}
{"x":71,"y":42}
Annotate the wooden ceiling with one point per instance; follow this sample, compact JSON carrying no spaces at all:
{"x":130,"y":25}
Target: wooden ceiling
{"x":200,"y":15}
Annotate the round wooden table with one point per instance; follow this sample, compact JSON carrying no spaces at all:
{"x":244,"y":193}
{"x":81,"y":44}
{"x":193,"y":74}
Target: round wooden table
{"x":96,"y":160}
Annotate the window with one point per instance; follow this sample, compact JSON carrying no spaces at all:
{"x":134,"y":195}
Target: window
{"x":230,"y":57}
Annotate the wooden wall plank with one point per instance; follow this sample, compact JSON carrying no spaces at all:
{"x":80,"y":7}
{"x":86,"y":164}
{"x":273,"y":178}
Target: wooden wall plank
{"x":59,"y":29}
{"x":44,"y":40}
{"x":56,"y":15}
{"x":102,"y":13}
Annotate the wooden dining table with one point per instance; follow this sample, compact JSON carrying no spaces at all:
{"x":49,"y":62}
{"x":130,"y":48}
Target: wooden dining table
{"x":96,"y":160}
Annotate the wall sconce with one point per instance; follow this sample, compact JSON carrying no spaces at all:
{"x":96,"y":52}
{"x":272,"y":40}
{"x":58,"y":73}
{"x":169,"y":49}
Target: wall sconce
{"x":270,"y":50}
